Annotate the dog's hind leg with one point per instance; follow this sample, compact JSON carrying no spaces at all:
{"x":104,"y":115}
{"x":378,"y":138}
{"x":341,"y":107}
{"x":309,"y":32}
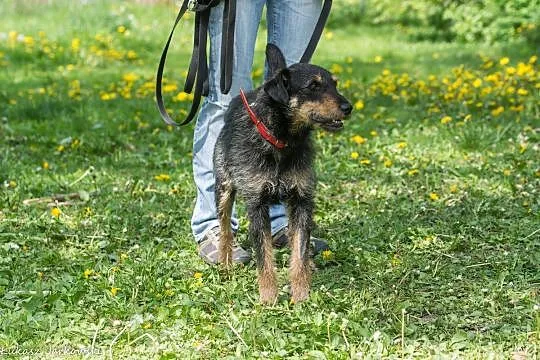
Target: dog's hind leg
{"x":261,"y":237}
{"x":300,"y":222}
{"x":224,"y":202}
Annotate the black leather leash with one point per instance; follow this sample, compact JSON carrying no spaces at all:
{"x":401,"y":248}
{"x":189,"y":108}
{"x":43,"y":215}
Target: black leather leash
{"x":198,"y":67}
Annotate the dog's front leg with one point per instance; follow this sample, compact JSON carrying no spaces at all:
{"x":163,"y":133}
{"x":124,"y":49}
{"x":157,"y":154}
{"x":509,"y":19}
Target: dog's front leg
{"x":261,"y":237}
{"x":300,"y":221}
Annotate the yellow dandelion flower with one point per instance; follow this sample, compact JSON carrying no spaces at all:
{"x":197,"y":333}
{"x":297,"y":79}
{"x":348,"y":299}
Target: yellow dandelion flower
{"x":358,"y":139}
{"x":147,"y":325}
{"x":327,"y":254}
{"x":402,"y":145}
{"x":45,"y":165}
{"x":446,"y":120}
{"x":433,"y":196}
{"x":198,"y":275}
{"x":498,"y":111}
{"x":121,"y":29}
{"x":477,"y":83}
{"x":114,"y":291}
{"x":354,"y":155}
{"x":336,"y":69}
{"x":378,"y":59}
{"x":533,"y":59}
{"x":507,"y":172}
{"x":412,"y":172}
{"x":359,"y":105}
{"x":505,"y":60}
{"x":87,"y":273}
{"x":56,"y":212}
{"x":130,"y":77}
{"x":170,"y":88}
{"x":162,"y":177}
{"x":511,"y":70}
{"x":365,"y":161}
{"x":131,"y":55}
{"x":523,"y":92}
{"x":373,"y":133}
{"x":328,"y":35}
{"x":387,"y":163}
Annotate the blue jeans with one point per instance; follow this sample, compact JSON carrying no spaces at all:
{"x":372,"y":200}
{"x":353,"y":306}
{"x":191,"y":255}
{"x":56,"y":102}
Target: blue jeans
{"x":290,"y":25}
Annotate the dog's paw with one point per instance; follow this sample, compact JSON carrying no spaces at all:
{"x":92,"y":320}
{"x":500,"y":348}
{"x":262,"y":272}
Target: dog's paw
{"x":299,"y":294}
{"x":268,"y":295}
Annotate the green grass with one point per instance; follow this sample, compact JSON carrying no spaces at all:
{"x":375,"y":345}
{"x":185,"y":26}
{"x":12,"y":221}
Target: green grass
{"x":436,"y":253}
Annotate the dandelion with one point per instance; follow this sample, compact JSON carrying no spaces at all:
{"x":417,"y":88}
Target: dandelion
{"x":365,"y":161}
{"x":354,"y":155}
{"x":412,"y":172}
{"x":130,"y":77}
{"x":114,"y":291}
{"x":504,"y":61}
{"x":45,"y":165}
{"x":162,"y":177}
{"x":147,"y":325}
{"x":327,"y":254}
{"x":328,"y":35}
{"x":87,"y":273}
{"x":75,"y":44}
{"x":55,"y":212}
{"x":359,"y":105}
{"x":373,"y":133}
{"x":336,"y":69}
{"x":131,"y":55}
{"x":387,"y":163}
{"x":507,"y":172}
{"x":198,"y":275}
{"x":433,"y":196}
{"x":522,"y":92}
{"x":533,"y":59}
{"x":170,"y":88}
{"x":402,"y":145}
{"x":446,"y":120}
{"x":378,"y":59}
{"x":498,"y":111}
{"x":121,"y":29}
{"x":477,"y":83}
{"x":358,"y":139}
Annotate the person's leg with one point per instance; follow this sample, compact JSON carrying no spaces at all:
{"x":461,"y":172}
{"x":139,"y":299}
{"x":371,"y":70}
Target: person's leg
{"x":290,"y":25}
{"x":211,"y":115}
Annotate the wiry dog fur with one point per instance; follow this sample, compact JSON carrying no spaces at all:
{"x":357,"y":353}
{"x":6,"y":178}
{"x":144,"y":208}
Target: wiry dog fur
{"x":290,"y":104}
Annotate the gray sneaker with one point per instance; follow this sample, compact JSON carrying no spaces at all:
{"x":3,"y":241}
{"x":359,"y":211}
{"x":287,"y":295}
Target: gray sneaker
{"x":280,"y":240}
{"x":209,"y":249}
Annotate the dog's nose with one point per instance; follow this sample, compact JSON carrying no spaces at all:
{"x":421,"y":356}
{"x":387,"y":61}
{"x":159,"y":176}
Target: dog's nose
{"x":346,"y":107}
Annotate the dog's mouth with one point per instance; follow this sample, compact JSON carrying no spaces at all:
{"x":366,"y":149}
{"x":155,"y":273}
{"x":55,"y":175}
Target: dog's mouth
{"x":329,"y":124}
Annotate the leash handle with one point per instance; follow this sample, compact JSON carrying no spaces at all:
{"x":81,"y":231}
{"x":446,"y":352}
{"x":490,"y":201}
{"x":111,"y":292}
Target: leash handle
{"x":159,"y":76}
{"x":319,"y":27}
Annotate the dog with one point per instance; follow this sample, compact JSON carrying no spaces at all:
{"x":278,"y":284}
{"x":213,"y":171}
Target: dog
{"x":264,"y":154}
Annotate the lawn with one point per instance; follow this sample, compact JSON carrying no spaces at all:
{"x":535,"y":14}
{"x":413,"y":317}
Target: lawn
{"x":429,"y":199}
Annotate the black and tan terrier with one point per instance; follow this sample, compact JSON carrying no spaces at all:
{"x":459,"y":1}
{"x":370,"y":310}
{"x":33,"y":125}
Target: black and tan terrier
{"x":264,"y":153}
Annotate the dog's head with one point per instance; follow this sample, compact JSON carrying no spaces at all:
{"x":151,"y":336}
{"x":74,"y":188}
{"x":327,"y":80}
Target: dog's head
{"x":306,"y":91}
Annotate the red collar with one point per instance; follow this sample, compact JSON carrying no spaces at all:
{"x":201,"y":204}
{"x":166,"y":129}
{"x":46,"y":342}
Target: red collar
{"x":263,"y":130}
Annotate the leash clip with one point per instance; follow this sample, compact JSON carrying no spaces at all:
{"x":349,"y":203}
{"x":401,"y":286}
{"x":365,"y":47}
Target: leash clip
{"x":192,"y":5}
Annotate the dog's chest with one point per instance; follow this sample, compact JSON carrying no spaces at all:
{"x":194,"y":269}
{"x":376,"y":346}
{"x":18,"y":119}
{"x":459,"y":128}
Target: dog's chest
{"x":276,"y":180}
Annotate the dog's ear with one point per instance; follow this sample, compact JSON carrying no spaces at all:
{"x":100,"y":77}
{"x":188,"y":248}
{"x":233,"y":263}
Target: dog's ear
{"x":278,"y":87}
{"x":275,"y":59}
